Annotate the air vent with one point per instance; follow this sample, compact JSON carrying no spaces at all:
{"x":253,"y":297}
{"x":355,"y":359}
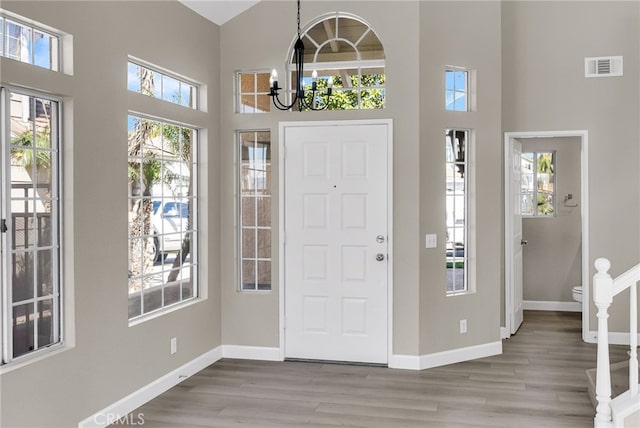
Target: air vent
{"x":605,"y":66}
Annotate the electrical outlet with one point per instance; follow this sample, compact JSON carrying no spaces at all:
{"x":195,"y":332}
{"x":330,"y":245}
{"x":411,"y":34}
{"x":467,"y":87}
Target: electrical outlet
{"x":174,"y":345}
{"x":431,"y":240}
{"x":463,"y":326}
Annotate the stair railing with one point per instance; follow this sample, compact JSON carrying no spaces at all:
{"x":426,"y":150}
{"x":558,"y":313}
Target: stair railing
{"x":604,"y":290}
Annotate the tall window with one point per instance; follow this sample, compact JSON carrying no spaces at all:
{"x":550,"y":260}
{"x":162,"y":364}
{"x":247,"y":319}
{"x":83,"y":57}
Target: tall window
{"x":148,"y":81}
{"x":345,"y":48}
{"x":29,"y":44}
{"x":30,"y":205}
{"x":538,"y":184}
{"x":457,"y":205}
{"x":255,"y":210}
{"x":456,"y":89}
{"x":163,"y":246}
{"x":252,"y":92}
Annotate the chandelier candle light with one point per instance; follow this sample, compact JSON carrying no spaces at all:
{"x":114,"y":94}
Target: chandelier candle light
{"x":299,"y":95}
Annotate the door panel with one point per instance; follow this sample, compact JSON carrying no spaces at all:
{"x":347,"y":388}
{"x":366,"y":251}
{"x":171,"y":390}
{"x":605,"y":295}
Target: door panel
{"x":517,"y":304}
{"x":336,"y":294}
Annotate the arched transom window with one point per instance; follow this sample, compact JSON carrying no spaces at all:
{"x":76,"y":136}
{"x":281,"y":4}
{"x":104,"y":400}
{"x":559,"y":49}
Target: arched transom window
{"x":344,"y":47}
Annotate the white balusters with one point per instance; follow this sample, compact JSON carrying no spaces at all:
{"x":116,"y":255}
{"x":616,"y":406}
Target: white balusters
{"x":602,"y":297}
{"x":604,"y":289}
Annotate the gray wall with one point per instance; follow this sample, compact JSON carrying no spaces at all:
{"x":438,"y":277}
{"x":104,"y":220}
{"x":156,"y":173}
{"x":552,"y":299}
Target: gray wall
{"x":106,"y":359}
{"x":552,"y":259}
{"x":248,"y":44}
{"x":543,"y":89}
{"x":473,"y":44}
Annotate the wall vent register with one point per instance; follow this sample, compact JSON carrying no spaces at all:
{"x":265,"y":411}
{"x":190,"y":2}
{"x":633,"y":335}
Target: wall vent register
{"x":610,"y":66}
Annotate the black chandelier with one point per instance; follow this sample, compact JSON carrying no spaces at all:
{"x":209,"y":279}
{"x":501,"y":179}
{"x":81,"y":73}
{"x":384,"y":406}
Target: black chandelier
{"x":299,"y":95}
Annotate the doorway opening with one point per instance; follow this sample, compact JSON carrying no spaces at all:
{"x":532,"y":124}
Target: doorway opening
{"x":548,"y":203}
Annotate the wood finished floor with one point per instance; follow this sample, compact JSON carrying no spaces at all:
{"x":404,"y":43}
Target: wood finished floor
{"x":539,"y":381}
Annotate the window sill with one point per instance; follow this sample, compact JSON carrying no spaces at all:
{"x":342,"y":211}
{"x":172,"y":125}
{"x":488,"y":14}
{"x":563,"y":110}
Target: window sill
{"x":163,"y":311}
{"x":27,"y":360}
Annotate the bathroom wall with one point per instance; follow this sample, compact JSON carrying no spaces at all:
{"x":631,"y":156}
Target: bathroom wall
{"x":552,"y":258}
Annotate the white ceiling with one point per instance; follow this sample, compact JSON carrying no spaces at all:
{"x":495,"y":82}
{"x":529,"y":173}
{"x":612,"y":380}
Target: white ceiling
{"x":219,"y":11}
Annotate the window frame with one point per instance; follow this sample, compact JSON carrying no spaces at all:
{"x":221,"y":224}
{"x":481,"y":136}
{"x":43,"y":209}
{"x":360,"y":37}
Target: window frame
{"x":554,"y":199}
{"x":255,"y":93}
{"x":197,"y":87}
{"x":55,"y":57}
{"x":467,"y":210}
{"x":358,"y":64}
{"x":239,"y":218}
{"x":466,"y":91}
{"x":57,"y":245}
{"x":195,"y":229}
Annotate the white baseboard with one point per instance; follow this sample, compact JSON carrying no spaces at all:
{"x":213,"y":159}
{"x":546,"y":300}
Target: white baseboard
{"x":251,"y":353}
{"x":410,"y":362}
{"x":615,"y":338}
{"x":459,"y":355}
{"x":504,"y":333}
{"x":536,"y":305}
{"x":126,"y":405}
{"x":405,"y":362}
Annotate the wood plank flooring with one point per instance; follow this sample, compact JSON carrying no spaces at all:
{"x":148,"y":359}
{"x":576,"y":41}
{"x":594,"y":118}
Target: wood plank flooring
{"x":539,"y":381}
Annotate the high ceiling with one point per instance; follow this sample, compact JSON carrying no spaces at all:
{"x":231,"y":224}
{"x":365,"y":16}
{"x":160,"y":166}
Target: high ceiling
{"x":219,"y":11}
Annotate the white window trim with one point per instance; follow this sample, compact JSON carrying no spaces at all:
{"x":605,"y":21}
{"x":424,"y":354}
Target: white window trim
{"x":239,"y":228}
{"x":33,"y":25}
{"x":238,"y":90}
{"x":195,"y":245}
{"x":197,"y":105}
{"x":8,"y":361}
{"x":469,"y":213}
{"x":358,"y":64}
{"x":467,"y":91}
{"x":535,"y":187}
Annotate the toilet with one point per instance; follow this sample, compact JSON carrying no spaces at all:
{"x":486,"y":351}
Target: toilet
{"x":576,"y":292}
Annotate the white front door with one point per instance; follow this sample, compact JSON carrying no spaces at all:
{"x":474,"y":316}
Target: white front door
{"x":517,"y":241}
{"x":336,"y":241}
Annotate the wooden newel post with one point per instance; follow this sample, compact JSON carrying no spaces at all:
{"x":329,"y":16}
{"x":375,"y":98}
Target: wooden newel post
{"x":602,"y":297}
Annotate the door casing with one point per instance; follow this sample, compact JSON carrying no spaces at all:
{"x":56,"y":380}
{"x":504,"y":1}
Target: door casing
{"x":281,"y":219}
{"x":584,"y":210}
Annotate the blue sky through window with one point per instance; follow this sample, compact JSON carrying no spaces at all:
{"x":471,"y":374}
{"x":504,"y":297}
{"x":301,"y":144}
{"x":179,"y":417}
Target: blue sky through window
{"x":27,"y":44}
{"x":456,"y":90}
{"x":165,"y":87}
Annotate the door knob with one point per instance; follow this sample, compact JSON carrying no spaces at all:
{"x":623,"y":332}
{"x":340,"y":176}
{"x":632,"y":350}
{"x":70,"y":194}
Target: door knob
{"x":523,"y":242}
{"x":379,"y":257}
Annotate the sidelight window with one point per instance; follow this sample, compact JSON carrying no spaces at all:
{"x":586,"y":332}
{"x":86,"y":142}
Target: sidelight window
{"x":457,"y":209}
{"x":254,"y":181}
{"x":30,"y":205}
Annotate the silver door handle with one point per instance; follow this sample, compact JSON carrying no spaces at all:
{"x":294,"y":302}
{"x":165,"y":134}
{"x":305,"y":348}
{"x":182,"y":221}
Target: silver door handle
{"x":379,"y":257}
{"x":523,"y":242}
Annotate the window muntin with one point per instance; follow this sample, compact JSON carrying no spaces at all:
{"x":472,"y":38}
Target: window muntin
{"x":31,"y":290}
{"x":148,"y":81}
{"x":457,"y":209}
{"x":163,"y":232}
{"x":254,"y":233}
{"x":538,"y":184}
{"x":456,"y":89}
{"x":252,"y":92}
{"x":348,"y":50}
{"x":25,"y":43}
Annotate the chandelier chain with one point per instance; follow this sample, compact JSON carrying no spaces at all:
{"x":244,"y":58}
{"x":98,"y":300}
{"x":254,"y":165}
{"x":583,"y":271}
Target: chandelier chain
{"x":298,"y":18}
